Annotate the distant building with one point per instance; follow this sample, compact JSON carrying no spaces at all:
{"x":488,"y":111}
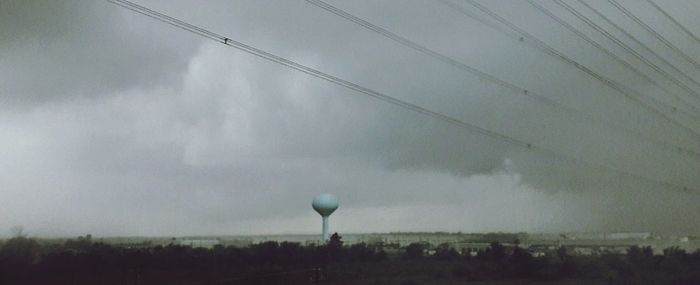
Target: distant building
{"x":628,"y":235}
{"x":236,"y":242}
{"x":204,"y":243}
{"x":583,"y":251}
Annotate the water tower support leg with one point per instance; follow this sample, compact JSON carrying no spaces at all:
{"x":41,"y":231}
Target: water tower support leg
{"x":326,"y":237}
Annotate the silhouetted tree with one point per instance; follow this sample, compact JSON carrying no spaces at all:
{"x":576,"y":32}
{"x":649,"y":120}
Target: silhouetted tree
{"x":446,"y":252}
{"x":360,"y":252}
{"x":81,"y":262}
{"x":562,"y":254}
{"x":567,"y":265}
{"x":495,"y":251}
{"x":522,"y":264}
{"x":675,"y":253}
{"x":335,"y":241}
{"x":20,"y":249}
{"x":414,"y":250}
{"x":640,"y":256}
{"x":17,"y":256}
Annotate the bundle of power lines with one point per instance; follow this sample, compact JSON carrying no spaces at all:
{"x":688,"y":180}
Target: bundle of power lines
{"x":658,"y":108}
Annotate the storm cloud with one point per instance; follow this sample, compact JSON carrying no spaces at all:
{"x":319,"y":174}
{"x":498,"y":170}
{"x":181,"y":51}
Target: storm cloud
{"x":112,"y":123}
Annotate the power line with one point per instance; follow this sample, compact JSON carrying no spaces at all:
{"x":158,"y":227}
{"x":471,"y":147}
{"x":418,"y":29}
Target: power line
{"x":606,"y":51}
{"x":654,"y":33}
{"x":464,"y":67}
{"x":441,"y":57}
{"x":624,"y":46}
{"x":630,"y":95}
{"x":638,"y":42}
{"x":383,"y":97}
{"x":668,"y":16}
{"x":316,"y":73}
{"x":522,"y":35}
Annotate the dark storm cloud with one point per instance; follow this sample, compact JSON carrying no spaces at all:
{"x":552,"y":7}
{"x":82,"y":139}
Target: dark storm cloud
{"x":62,"y":49}
{"x":116,"y":124}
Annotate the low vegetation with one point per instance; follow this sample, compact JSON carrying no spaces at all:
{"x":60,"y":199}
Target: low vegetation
{"x":25,"y":261}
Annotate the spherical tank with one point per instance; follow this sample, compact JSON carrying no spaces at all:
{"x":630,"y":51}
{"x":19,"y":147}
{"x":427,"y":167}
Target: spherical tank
{"x":325,"y":204}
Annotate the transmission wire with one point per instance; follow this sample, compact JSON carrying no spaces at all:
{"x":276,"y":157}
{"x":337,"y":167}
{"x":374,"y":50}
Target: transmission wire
{"x":608,"y":52}
{"x":654,"y":33}
{"x":383,"y":97}
{"x":688,"y":32}
{"x":520,"y":90}
{"x":626,"y":47}
{"x":638,"y":42}
{"x":628,"y":94}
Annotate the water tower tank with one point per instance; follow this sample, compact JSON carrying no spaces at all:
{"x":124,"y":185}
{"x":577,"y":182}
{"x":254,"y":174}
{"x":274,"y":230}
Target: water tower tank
{"x":325,"y":205}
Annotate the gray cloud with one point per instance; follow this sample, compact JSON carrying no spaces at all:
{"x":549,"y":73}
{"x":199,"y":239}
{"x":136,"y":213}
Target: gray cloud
{"x":115,"y":124}
{"x":58,"y":50}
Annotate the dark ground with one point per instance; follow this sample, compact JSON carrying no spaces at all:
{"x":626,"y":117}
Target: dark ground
{"x":82,"y":261}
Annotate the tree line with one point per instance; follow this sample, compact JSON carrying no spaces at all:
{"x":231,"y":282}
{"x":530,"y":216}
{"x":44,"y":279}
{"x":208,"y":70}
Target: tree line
{"x":24,"y":260}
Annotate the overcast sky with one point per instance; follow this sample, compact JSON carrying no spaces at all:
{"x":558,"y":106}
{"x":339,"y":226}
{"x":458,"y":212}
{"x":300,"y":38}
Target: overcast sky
{"x":113,"y":123}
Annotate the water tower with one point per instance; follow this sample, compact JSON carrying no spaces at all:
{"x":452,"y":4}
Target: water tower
{"x":325,"y":205}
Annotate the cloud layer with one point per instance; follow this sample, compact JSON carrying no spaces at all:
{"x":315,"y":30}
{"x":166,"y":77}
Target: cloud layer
{"x":114,"y":124}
